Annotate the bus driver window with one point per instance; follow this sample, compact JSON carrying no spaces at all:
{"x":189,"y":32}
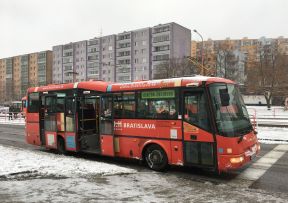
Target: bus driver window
{"x":195,"y":110}
{"x":191,"y":111}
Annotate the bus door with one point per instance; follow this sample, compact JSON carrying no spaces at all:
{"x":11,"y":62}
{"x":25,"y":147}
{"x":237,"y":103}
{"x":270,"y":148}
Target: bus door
{"x":71,"y":120}
{"x":88,"y":117}
{"x":107,"y":125}
{"x":50,"y":121}
{"x":198,"y":139}
{"x":33,"y":120}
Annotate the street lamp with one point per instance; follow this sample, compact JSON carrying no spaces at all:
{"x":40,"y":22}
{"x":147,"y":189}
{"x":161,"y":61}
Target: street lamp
{"x":202,"y":58}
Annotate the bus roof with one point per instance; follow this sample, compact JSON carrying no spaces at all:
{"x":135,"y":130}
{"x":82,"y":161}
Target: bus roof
{"x":163,"y":83}
{"x":102,"y":86}
{"x":87,"y":85}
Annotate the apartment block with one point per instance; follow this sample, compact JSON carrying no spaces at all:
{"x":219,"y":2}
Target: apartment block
{"x":107,"y":63}
{"x":69,"y":62}
{"x":44,"y":63}
{"x":142,"y":57}
{"x":169,"y":41}
{"x":127,"y":56}
{"x":241,"y":52}
{"x":24,"y":73}
{"x":17,"y":77}
{"x":2,"y":80}
{"x":9,"y":79}
{"x":57,"y":71}
{"x":94,"y":58}
{"x":18,"y":73}
{"x":79,"y":63}
{"x":32,"y":69}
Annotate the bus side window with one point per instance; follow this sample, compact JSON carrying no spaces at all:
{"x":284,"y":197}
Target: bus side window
{"x":142,"y":109}
{"x":60,"y":106}
{"x":159,"y":109}
{"x":33,"y":102}
{"x":195,"y":111}
{"x":50,"y":104}
{"x":124,"y":105}
{"x":157,"y":104}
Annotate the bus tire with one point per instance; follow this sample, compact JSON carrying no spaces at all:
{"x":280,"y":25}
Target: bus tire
{"x":156,"y":158}
{"x":61,"y":146}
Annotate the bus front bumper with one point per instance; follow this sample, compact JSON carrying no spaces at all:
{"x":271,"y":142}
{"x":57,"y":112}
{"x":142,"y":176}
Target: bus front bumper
{"x":235,"y":162}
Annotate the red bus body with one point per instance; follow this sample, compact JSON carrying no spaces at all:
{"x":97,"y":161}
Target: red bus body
{"x":184,"y":143}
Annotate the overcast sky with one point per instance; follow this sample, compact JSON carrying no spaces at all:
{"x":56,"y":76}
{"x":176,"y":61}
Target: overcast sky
{"x":28,"y":26}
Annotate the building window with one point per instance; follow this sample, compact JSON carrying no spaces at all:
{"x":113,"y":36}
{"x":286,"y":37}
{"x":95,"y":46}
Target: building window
{"x":161,"y":57}
{"x":161,"y":38}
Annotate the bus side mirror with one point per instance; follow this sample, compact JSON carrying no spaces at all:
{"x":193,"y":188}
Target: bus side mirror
{"x":225,"y":97}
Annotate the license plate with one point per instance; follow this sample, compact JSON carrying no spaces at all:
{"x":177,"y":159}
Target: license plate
{"x":251,"y":152}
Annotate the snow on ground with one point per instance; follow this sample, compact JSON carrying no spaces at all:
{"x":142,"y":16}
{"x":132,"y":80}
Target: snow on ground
{"x":272,"y":135}
{"x":140,"y":187}
{"x":5,"y":120}
{"x":67,"y":179}
{"x":14,"y":160}
{"x":263,"y":112}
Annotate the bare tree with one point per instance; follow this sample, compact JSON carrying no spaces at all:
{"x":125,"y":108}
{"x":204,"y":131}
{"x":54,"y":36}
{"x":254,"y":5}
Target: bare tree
{"x":175,"y":67}
{"x":268,"y":72}
{"x":227,"y":62}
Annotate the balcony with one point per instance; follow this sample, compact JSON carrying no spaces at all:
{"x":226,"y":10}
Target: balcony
{"x":156,"y":30}
{"x":124,"y":37}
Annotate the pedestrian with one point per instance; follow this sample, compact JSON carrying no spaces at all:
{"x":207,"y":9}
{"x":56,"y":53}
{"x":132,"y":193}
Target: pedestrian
{"x":10,"y":113}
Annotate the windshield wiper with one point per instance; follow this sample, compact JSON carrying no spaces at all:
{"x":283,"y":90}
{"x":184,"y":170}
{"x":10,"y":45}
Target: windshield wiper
{"x":243,"y":134}
{"x":241,"y":138}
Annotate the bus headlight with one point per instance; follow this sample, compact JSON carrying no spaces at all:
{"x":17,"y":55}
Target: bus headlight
{"x":237,"y":160}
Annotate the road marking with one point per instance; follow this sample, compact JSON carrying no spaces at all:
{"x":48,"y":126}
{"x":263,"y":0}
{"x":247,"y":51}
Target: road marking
{"x":257,"y":169}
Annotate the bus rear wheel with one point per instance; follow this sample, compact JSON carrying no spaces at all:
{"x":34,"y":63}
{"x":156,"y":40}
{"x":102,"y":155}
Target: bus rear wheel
{"x":156,"y":158}
{"x":61,"y":146}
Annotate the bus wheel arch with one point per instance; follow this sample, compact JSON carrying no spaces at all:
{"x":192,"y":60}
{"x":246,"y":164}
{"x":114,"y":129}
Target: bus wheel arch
{"x":61,"y":146}
{"x":155,"y":157}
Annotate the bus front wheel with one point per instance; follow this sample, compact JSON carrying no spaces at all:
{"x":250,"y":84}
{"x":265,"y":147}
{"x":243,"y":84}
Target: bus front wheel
{"x":156,"y":158}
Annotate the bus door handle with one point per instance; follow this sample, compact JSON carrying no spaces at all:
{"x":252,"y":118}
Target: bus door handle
{"x":193,"y":137}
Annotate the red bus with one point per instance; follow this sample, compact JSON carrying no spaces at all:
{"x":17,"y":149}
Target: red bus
{"x":190,"y":121}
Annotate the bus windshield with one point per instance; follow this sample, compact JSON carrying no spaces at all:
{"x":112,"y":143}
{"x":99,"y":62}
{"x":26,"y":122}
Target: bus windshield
{"x":232,"y":118}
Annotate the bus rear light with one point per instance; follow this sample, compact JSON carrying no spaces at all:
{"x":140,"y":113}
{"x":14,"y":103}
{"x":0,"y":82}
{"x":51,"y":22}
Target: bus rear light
{"x":237,"y":160}
{"x":259,"y":147}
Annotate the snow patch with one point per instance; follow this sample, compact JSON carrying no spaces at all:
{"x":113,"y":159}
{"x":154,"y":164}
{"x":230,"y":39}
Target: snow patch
{"x":16,"y":161}
{"x":269,"y":135}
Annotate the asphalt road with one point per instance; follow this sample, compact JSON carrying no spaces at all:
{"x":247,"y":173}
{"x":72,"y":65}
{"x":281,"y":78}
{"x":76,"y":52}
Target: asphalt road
{"x":178,"y":184}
